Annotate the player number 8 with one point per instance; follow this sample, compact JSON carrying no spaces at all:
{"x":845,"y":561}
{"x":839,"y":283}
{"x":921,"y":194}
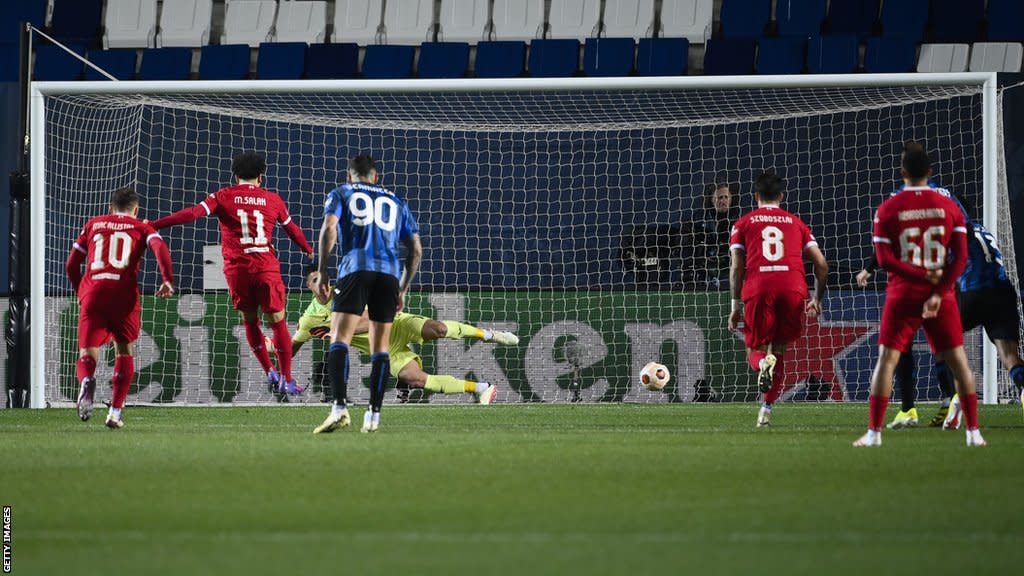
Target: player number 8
{"x":771,"y":244}
{"x":366,"y":211}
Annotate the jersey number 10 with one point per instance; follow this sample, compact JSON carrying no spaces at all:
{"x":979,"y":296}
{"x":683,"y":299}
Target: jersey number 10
{"x":928,"y":252}
{"x":118,"y":253}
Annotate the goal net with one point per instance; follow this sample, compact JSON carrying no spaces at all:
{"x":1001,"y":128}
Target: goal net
{"x":581,"y":218}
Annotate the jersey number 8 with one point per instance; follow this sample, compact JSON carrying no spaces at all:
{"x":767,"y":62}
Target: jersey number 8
{"x":366,"y":211}
{"x":771,"y":244}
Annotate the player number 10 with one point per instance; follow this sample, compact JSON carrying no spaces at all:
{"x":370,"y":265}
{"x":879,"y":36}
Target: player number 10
{"x":117,"y":255}
{"x":366,"y":211}
{"x":933,"y":255}
{"x":261,"y":235}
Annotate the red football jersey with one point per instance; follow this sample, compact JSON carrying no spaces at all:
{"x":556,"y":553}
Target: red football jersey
{"x":918,"y":225}
{"x":774,"y":242}
{"x":248,"y":215}
{"x":113,"y":245}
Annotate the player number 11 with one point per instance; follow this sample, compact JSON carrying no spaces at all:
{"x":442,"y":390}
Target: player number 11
{"x":261,"y":235}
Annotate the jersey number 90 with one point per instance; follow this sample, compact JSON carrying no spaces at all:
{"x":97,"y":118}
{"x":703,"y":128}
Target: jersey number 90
{"x":381,"y":211}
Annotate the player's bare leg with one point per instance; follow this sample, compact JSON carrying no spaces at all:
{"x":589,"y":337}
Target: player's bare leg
{"x":254,"y":336}
{"x":124,"y":370}
{"x":412,"y":375}
{"x":435,"y":330}
{"x":966,"y":390}
{"x":282,"y":345}
{"x":343,"y":327}
{"x":85,"y":370}
{"x":878,"y":401}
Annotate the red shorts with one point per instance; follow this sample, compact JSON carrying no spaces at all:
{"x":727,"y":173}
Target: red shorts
{"x":102,"y":318}
{"x":902,"y":317}
{"x":773,"y":317}
{"x":263,"y":290}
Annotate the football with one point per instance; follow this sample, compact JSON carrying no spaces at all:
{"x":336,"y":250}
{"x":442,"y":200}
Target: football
{"x":654,"y":376}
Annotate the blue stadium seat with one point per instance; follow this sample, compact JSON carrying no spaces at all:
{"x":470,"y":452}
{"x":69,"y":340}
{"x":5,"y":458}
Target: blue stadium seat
{"x":13,"y":13}
{"x":663,"y":57}
{"x":384,"y":61}
{"x":890,"y":55}
{"x":500,"y":59}
{"x":554,"y":58}
{"x":281,"y":60}
{"x":77,"y":21}
{"x":1004,"y":21}
{"x":332,"y":61}
{"x":832,"y":54}
{"x":906,"y":18}
{"x":958,"y":21}
{"x":781,"y":55}
{"x":729,"y":57}
{"x":853,"y":17}
{"x":609,"y":56}
{"x":444,"y":59}
{"x":54,"y":64}
{"x":224,"y":62}
{"x":745,"y":18}
{"x":118,"y":62}
{"x":799,"y":17}
{"x":165,"y":64}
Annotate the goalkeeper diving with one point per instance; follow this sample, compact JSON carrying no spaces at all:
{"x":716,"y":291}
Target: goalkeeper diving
{"x":407,"y":329}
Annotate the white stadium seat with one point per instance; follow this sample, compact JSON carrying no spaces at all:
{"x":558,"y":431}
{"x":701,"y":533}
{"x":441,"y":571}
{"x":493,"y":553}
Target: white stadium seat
{"x":357,"y":21}
{"x":687,"y":18}
{"x":996,"y":57}
{"x":409,"y":22}
{"x":301,"y":22}
{"x":943,"y":58}
{"x":185,"y":23}
{"x":518,"y":19}
{"x":463,"y":20}
{"x":130,"y":24}
{"x":577,"y":19}
{"x":628,"y":18}
{"x":248,"y":21}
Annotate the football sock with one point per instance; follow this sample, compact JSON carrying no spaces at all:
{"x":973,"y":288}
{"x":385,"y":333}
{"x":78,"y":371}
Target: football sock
{"x":85,"y":368}
{"x":876,"y":412}
{"x":379,"y":378}
{"x":458,"y":331}
{"x":1017,"y":375}
{"x":336,"y":410}
{"x":945,"y":378}
{"x":114,"y":413}
{"x":255,"y":337}
{"x":337,"y":371}
{"x":904,"y":377}
{"x":969,"y":403}
{"x":755,"y":359}
{"x":283,"y":344}
{"x":124,"y":370}
{"x":776,"y":390}
{"x":448,"y":385}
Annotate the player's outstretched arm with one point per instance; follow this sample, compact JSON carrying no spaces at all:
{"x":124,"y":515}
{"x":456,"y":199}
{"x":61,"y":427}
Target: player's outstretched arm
{"x":296,"y":234}
{"x":820,"y":279}
{"x":73,"y":266}
{"x":737,"y":272}
{"x":163,"y":261}
{"x":184,"y":216}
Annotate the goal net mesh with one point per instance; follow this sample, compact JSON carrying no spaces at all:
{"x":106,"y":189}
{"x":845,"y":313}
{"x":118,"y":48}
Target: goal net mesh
{"x":579,"y":220}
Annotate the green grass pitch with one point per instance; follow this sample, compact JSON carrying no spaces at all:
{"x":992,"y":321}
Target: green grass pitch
{"x":523,"y":489}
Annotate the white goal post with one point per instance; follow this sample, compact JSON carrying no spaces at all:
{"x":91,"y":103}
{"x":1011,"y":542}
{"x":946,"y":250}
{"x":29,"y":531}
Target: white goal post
{"x":656,"y":139}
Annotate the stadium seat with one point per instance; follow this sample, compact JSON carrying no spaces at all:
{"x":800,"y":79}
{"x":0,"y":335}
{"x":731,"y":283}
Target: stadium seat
{"x":281,"y":60}
{"x":662,"y":57}
{"x":118,"y":62}
{"x":185,"y":23}
{"x":53,"y":63}
{"x":832,"y":54}
{"x":608,"y":56}
{"x":943,"y":58}
{"x":248,"y":21}
{"x":383,"y":61}
{"x":554,"y":58}
{"x":1004,"y":21}
{"x":357,"y":21}
{"x":852,"y":17}
{"x":166,"y":64}
{"x":463,"y":20}
{"x":576,"y":19}
{"x":729,"y":56}
{"x":801,"y":18}
{"x":687,"y":18}
{"x":301,"y":22}
{"x":224,"y":62}
{"x":444,"y":59}
{"x":781,"y":55}
{"x":954,"y":21}
{"x":77,"y":21}
{"x":745,"y":18}
{"x":890,"y":55}
{"x":331,"y":61}
{"x":629,"y":19}
{"x":12,"y":14}
{"x":500,"y":59}
{"x":130,"y":24}
{"x":409,"y":22}
{"x":518,"y":19}
{"x":905,"y":18}
{"x":996,"y":57}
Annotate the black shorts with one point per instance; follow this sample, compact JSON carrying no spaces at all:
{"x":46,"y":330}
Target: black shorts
{"x":374,"y":290}
{"x":993,"y":308}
